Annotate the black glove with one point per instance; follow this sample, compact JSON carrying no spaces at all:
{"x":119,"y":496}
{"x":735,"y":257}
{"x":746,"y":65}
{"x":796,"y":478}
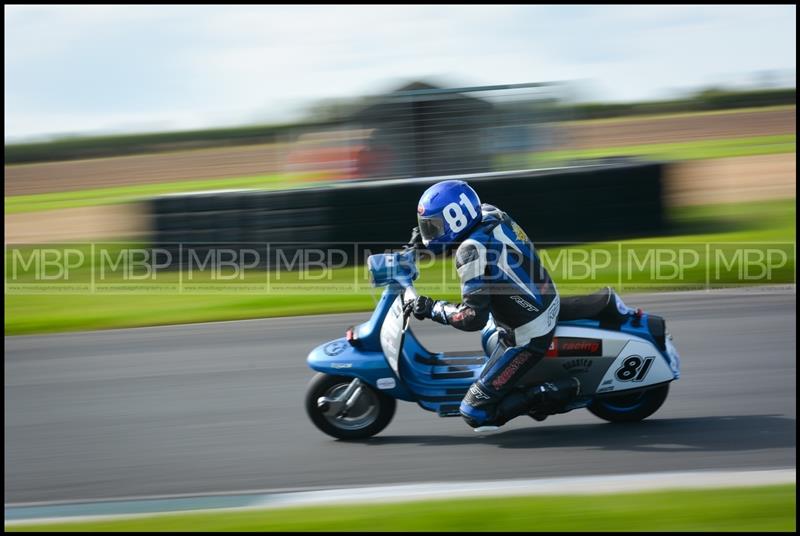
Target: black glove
{"x":416,"y":238}
{"x":422,"y":307}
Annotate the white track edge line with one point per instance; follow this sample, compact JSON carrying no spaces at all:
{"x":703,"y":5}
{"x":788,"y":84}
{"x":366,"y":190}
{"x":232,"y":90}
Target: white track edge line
{"x":494,"y":488}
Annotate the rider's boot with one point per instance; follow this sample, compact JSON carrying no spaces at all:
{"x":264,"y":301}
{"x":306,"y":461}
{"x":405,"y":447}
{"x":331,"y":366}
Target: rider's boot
{"x":541,"y":399}
{"x":550,"y":397}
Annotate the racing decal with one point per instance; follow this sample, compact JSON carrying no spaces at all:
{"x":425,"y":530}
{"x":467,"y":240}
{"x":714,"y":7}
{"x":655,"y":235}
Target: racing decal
{"x":335,"y":347}
{"x":509,"y":371}
{"x":524,"y":304}
{"x":519,"y":233}
{"x":606,"y":386}
{"x":476,"y":392}
{"x":634,"y":368}
{"x":638,"y":365}
{"x":552,"y":312}
{"x":574,"y":347}
{"x":455,"y":217}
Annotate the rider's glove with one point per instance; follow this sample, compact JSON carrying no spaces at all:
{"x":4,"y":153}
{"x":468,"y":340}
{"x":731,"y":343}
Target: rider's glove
{"x":422,"y":307}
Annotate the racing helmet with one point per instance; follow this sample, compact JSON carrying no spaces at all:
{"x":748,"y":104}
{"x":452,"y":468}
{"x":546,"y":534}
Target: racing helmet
{"x":446,"y":213}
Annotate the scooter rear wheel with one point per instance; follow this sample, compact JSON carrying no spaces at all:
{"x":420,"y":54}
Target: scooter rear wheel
{"x":371,"y":413}
{"x":629,"y":407}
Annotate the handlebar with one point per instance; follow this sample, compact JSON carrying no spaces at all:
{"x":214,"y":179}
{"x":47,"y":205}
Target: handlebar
{"x":410,"y":247}
{"x":410,"y":294}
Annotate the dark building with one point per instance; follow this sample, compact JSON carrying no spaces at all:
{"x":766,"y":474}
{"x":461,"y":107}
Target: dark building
{"x":420,"y":130}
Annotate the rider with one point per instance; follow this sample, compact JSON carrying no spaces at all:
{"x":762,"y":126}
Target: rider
{"x":500,"y":274}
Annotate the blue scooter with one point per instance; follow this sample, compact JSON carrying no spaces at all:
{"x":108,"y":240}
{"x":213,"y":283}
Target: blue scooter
{"x":625,"y":360}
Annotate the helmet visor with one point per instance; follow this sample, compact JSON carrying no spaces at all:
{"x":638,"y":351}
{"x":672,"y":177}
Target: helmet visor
{"x":430,"y":228}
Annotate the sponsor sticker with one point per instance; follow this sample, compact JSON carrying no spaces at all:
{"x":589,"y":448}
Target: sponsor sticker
{"x":519,"y":233}
{"x":524,"y":304}
{"x":475,"y":391}
{"x":509,"y":371}
{"x":634,"y":368}
{"x":335,"y":348}
{"x":575,"y":347}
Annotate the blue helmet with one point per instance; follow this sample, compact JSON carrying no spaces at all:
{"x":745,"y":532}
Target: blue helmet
{"x":447,"y":212}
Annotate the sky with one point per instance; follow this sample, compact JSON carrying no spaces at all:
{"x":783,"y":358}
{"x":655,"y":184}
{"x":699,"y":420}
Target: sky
{"x":97,"y":69}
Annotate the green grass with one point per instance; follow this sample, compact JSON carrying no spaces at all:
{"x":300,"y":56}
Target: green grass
{"x":694,"y":150}
{"x":123,"y":194}
{"x":767,"y":508}
{"x":70,"y":305}
{"x":689,"y":150}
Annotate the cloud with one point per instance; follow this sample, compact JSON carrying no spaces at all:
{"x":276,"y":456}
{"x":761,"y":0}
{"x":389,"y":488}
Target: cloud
{"x":179,"y":66}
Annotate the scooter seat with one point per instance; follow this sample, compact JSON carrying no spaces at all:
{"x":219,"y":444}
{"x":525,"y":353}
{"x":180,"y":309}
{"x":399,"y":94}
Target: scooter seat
{"x":602,"y":305}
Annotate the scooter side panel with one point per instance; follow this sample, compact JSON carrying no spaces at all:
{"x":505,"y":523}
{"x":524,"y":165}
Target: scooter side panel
{"x":591,"y":354}
{"x":638,"y":365}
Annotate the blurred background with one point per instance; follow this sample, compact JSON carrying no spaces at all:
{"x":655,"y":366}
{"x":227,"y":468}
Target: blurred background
{"x":615,"y":128}
{"x":305,"y":125}
{"x":274,"y":97}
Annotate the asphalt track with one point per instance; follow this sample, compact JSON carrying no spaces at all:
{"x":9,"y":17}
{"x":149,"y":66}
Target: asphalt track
{"x":214,"y":408}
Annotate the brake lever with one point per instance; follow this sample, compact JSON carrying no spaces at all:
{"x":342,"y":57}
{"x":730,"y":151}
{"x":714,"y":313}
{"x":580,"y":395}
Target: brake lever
{"x":407,"y":311}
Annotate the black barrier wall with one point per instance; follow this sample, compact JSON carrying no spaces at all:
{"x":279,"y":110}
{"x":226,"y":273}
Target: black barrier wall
{"x":575,"y":204}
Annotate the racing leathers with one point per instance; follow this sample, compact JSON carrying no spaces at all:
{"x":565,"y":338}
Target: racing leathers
{"x":502,"y":275}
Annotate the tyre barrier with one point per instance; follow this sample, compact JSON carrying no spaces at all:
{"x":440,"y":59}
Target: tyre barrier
{"x":597,"y":201}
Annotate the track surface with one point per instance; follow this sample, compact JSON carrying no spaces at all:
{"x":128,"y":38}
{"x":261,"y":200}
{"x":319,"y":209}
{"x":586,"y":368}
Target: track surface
{"x":218,"y":407}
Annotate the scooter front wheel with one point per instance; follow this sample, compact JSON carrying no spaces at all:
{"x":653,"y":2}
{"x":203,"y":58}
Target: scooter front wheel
{"x":345,"y":410}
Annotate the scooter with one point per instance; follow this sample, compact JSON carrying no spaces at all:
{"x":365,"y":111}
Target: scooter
{"x":625,"y":360}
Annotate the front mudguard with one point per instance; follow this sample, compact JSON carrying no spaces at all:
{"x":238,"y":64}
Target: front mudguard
{"x":340,"y":358}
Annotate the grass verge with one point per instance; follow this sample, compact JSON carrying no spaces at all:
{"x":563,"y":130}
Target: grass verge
{"x":123,"y":194}
{"x":763,"y":508}
{"x":704,"y":251}
{"x":690,"y":150}
{"x":701,"y":149}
